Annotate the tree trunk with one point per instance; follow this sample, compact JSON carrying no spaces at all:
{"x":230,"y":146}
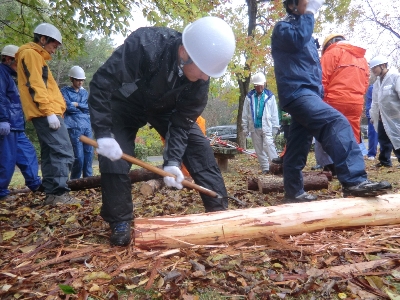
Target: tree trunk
{"x":258,"y":223}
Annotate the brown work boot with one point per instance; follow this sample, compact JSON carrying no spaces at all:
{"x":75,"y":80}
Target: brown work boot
{"x":66,"y":198}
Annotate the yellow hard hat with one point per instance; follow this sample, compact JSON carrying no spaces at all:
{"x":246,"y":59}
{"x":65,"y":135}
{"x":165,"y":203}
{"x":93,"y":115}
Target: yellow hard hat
{"x":329,"y":38}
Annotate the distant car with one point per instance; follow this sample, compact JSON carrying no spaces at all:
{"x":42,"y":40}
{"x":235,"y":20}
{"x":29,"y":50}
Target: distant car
{"x":225,"y":132}
{"x":364,"y":131}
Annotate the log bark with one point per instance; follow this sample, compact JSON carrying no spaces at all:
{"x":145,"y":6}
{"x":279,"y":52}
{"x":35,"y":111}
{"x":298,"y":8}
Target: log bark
{"x":259,"y":223}
{"x":136,"y":175}
{"x":151,"y":186}
{"x":268,"y":184}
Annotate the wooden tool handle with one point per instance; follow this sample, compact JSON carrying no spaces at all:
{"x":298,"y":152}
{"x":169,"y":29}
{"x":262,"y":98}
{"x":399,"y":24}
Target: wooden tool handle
{"x":134,"y":160}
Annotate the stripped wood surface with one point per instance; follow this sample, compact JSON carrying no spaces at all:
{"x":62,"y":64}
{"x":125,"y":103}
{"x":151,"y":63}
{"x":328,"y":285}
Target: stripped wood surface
{"x":257,"y":223}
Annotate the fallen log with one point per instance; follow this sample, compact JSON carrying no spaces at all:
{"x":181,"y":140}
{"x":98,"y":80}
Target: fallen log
{"x":136,"y":175}
{"x":258,"y":223}
{"x":269,"y":184}
{"x":151,"y":186}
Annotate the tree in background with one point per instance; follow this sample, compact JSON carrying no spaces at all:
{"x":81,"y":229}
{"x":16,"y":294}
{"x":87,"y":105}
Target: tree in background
{"x":72,"y":17}
{"x":95,"y":52}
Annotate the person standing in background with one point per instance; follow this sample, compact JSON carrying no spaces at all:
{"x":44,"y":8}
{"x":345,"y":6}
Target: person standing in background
{"x":345,"y":77}
{"x":44,"y":105}
{"x":15,"y":147}
{"x":77,"y":121}
{"x":260,"y":118}
{"x":385,"y":109}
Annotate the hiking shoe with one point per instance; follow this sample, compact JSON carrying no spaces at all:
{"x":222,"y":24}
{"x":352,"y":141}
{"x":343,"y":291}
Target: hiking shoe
{"x":380,"y":164}
{"x":316,"y":167}
{"x":265,"y":172}
{"x":366,"y":188}
{"x":277,"y":160}
{"x":371,"y":158}
{"x":305,"y":197}
{"x":52,"y":199}
{"x":120,"y":234}
{"x":8,"y":198}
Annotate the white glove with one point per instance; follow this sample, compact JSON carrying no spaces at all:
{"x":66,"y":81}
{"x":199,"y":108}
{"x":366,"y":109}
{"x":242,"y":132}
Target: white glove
{"x":275,"y":130}
{"x":314,"y":5}
{"x":109,"y":148}
{"x":171,"y":181}
{"x":54,"y":122}
{"x":75,"y":104}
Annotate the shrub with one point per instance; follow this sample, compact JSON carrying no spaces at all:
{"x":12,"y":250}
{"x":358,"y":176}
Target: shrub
{"x":279,"y":142}
{"x":151,"y":140}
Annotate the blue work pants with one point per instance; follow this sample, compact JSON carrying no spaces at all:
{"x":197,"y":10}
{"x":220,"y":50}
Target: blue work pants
{"x":372,"y":139}
{"x":313,"y":117}
{"x":17,"y":149}
{"x":83,"y":153}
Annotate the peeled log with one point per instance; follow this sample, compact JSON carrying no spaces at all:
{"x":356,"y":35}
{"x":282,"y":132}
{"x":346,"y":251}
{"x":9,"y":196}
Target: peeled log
{"x":258,"y":223}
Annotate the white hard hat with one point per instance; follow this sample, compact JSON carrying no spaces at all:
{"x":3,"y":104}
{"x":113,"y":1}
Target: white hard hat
{"x":49,"y":30}
{"x":258,"y":79}
{"x":77,"y":73}
{"x":210,"y":43}
{"x":378,"y":60}
{"x":9,"y":50}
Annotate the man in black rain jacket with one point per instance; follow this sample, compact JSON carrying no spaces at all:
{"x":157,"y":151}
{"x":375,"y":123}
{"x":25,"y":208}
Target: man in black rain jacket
{"x":161,"y":77}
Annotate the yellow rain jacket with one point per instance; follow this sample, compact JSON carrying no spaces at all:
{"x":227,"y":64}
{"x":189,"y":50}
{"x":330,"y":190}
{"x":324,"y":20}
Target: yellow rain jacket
{"x":39,"y":92}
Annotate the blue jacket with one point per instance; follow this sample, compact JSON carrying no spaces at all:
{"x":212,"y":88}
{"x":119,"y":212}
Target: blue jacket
{"x":369,"y":101}
{"x":10,"y":102}
{"x":296,"y":61}
{"x":76,"y":117}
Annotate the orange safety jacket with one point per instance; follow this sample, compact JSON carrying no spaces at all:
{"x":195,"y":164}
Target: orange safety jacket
{"x":345,"y":76}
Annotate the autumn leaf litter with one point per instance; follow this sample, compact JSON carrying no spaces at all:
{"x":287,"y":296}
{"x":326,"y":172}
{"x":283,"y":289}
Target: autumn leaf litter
{"x":62,"y":252}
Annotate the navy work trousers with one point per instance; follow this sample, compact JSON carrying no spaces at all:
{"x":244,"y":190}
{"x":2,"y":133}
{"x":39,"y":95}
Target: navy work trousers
{"x":17,"y":149}
{"x":313,"y":117}
{"x":386,"y":147}
{"x":83,"y":153}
